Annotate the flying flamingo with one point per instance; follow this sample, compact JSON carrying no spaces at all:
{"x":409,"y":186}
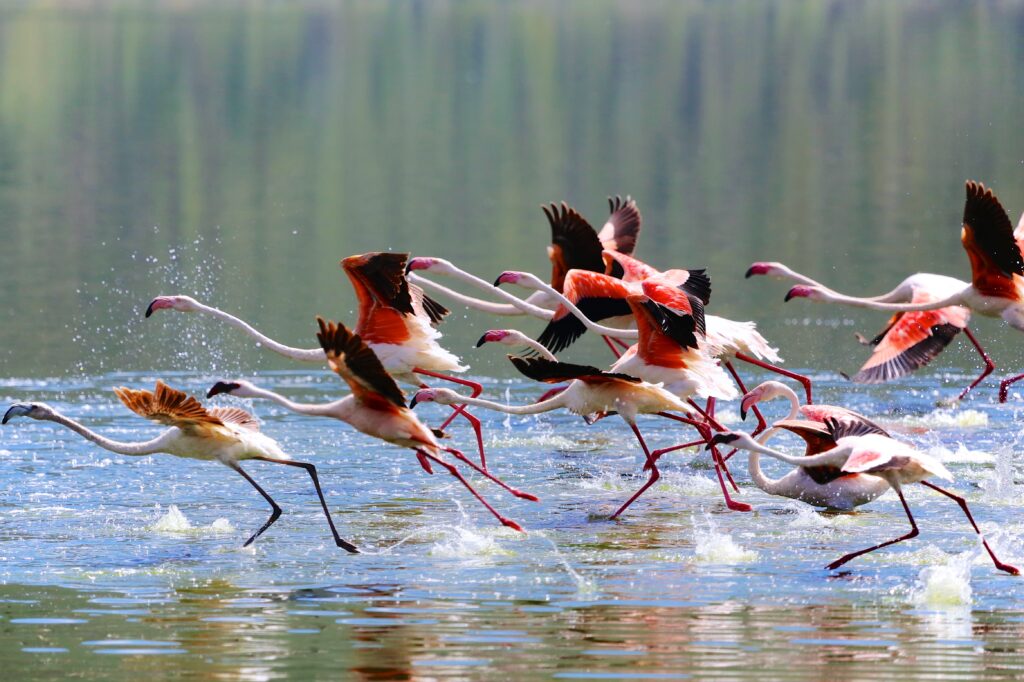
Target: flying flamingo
{"x":593,"y":394}
{"x":860,"y":449}
{"x":221,"y":434}
{"x":909,"y":341}
{"x":997,"y":270}
{"x":395,"y":320}
{"x":375,"y":407}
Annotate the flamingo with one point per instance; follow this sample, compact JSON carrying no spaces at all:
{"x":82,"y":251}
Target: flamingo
{"x":375,"y":407}
{"x":860,"y":449}
{"x":395,"y":319}
{"x":593,"y":394}
{"x":997,"y":270}
{"x":909,"y":341}
{"x":228,"y":435}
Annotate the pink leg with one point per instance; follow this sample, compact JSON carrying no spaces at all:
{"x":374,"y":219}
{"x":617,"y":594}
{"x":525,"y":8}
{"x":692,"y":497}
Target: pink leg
{"x":455,"y":472}
{"x":710,"y":420}
{"x":1004,"y":386}
{"x":651,"y":464}
{"x":608,"y":340}
{"x":761,"y":423}
{"x":719,"y":466}
{"x":1012,"y":570}
{"x":622,"y":344}
{"x":989,"y":366}
{"x":486,"y":474}
{"x":656,"y":454}
{"x":778,"y":370}
{"x":912,"y":534}
{"x":476,"y":389}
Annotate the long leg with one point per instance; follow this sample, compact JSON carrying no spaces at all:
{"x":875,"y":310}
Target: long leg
{"x":311,"y":470}
{"x":476,"y":389}
{"x":1012,"y":570}
{"x":761,"y":423}
{"x":778,"y":370}
{"x":719,"y":467}
{"x":455,"y":472}
{"x":274,"y":515}
{"x":912,"y":534}
{"x":989,"y":366}
{"x":1004,"y":386}
{"x":719,"y":462}
{"x":652,"y":464}
{"x":608,"y":340}
{"x":622,"y":344}
{"x":486,"y":474}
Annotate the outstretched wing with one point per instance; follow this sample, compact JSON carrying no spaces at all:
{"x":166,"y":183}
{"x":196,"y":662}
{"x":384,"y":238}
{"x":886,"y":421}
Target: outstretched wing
{"x":235,"y":415}
{"x":574,"y":244}
{"x":553,"y":372}
{"x":598,"y":296}
{"x":168,"y":406}
{"x":380,"y":276}
{"x":987,"y":236}
{"x":819,"y":439}
{"x":623,"y":227}
{"x":359,"y":366}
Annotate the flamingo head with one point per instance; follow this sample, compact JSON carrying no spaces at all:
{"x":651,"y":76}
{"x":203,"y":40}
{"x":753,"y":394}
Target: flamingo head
{"x":765,"y":391}
{"x":508,"y":277}
{"x":804,"y":291}
{"x":425,"y":263}
{"x":30,"y":410}
{"x":509,"y":337}
{"x":237,"y":388}
{"x":443,"y":396}
{"x":735,"y":439}
{"x":183,"y":304}
{"x":765,"y":268}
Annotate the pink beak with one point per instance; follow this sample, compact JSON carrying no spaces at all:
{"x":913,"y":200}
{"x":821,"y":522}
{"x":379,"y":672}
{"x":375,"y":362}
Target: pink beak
{"x":799,"y":291}
{"x":507,"y":277}
{"x":491,"y":336}
{"x":158,"y":303}
{"x":758,"y":269}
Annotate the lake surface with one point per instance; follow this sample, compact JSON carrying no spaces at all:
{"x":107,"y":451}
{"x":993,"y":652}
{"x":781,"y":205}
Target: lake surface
{"x":237,"y":152}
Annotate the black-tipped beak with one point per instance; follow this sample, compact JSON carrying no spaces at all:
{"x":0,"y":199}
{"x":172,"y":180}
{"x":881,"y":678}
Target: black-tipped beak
{"x":789,"y":295}
{"x":149,"y":308}
{"x":221,"y":387}
{"x":15,"y":410}
{"x":750,"y":272}
{"x":497,"y":282}
{"x":7,"y":415}
{"x":412,"y":403}
{"x":743,"y":413}
{"x":720,"y":439}
{"x":482,"y":341}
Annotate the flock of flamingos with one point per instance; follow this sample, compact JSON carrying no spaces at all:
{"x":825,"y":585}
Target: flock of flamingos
{"x":674,"y":360}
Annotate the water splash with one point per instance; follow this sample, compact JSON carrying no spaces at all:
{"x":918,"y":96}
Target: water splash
{"x":470,"y":544}
{"x":945,"y":418}
{"x":962,"y":455}
{"x":174,"y":521}
{"x":712,"y":546}
{"x":945,"y":585}
{"x":585,"y":587}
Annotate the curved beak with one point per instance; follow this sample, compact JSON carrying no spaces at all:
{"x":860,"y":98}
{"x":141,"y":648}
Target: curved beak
{"x":719,"y":439}
{"x":418,"y":263}
{"x":222,"y":387}
{"x":149,"y":308}
{"x":15,"y":410}
{"x":412,"y":403}
{"x":505,"y":277}
{"x":799,"y":291}
{"x":482,"y":340}
{"x":745,"y":404}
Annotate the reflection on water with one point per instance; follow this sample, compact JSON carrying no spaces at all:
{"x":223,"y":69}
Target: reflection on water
{"x":237,"y":152}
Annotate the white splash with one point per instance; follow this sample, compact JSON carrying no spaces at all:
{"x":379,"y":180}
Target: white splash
{"x":175,"y":522}
{"x":466,"y":543}
{"x":714,"y":547}
{"x":947,"y":584}
{"x":961,"y":456}
{"x":946,"y":418}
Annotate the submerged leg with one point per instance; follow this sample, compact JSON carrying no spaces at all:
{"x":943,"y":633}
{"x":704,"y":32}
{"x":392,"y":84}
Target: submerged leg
{"x":486,"y":474}
{"x":989,"y":366}
{"x":778,"y":370}
{"x":311,"y":470}
{"x":1012,"y":570}
{"x":652,"y":464}
{"x":273,"y":514}
{"x":455,"y":472}
{"x":476,"y":389}
{"x":912,"y":534}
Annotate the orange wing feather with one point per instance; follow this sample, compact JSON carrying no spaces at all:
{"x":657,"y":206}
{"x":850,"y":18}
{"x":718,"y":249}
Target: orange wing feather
{"x":167,"y":406}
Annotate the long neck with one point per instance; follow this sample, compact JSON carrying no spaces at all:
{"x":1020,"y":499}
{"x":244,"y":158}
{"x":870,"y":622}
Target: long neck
{"x":631,"y":334}
{"x":760,"y":479}
{"x":534,"y":408}
{"x":835,"y":457}
{"x":520,"y":306}
{"x":791,"y":274}
{"x":468,"y":301}
{"x":311,"y":409}
{"x":537,"y":347}
{"x":875,"y":304}
{"x":148,"y":447}
{"x":303,"y":354}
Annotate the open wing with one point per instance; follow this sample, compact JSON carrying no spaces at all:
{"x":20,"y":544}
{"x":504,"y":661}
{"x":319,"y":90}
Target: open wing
{"x":623,"y":227}
{"x":236,"y":416}
{"x":987,"y":236}
{"x":574,"y":243}
{"x":553,"y":372}
{"x":359,"y":366}
{"x":168,"y":406}
{"x":598,"y":296}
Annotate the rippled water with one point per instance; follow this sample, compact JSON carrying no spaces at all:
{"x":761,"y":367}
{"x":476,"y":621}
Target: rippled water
{"x":119,"y":563}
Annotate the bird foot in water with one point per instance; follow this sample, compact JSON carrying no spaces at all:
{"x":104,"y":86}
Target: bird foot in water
{"x":525,"y":496}
{"x":947,"y":403}
{"x":512,"y":524}
{"x":738,"y":506}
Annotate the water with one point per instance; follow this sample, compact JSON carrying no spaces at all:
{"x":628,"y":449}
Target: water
{"x":237,"y":152}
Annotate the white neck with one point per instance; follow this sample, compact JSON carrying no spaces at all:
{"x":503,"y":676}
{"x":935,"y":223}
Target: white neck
{"x":548,"y":405}
{"x":835,"y":457}
{"x":878,"y":304}
{"x":630,"y":334}
{"x":303,"y":354}
{"x":468,"y":301}
{"x":311,"y":409}
{"x":516,"y":306}
{"x":899,"y":293}
{"x":148,"y":447}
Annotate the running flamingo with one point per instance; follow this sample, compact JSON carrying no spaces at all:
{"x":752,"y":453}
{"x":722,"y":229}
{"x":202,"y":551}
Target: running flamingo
{"x":375,"y":407}
{"x":593,"y":394}
{"x":221,"y":434}
{"x":858,"y":448}
{"x":909,"y":341}
{"x":395,"y":319}
{"x":997,"y":270}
